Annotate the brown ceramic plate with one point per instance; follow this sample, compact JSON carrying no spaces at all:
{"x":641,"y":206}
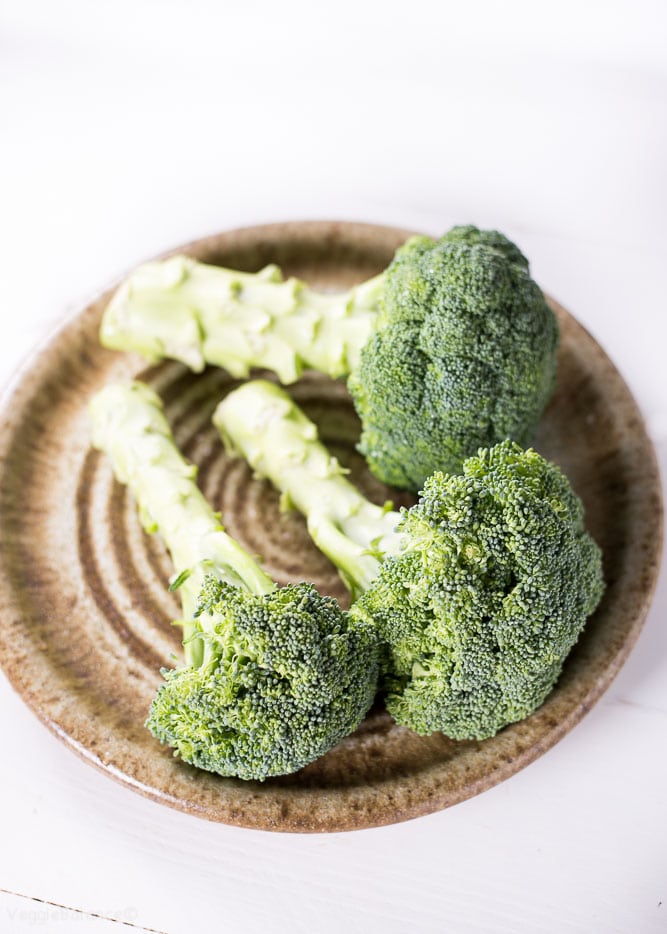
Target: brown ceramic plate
{"x":84,"y":608}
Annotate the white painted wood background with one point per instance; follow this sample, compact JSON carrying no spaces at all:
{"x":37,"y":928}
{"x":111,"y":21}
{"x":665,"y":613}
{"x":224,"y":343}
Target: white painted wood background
{"x":128,"y":127}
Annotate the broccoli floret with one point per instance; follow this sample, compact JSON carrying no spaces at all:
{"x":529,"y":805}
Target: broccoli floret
{"x":452,"y":348}
{"x":285,"y":676}
{"x":463,"y":355}
{"x":494,"y":584}
{"x":274,"y":677}
{"x":477,"y":596}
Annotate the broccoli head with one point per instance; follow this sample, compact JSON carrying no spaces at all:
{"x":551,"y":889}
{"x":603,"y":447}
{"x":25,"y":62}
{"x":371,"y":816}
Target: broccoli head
{"x":284,"y":677}
{"x":453,"y":347}
{"x":463,"y":355}
{"x":490,"y":593}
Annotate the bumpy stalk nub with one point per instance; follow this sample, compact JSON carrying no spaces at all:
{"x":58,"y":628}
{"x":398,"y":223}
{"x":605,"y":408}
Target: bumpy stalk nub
{"x":262,"y":423}
{"x":128,"y":423}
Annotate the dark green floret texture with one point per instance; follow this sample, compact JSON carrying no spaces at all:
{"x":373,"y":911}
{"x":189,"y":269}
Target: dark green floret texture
{"x":479,"y":613}
{"x":285,"y":676}
{"x":463,"y":356}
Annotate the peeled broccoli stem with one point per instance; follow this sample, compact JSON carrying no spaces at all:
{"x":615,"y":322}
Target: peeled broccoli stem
{"x":129,"y":425}
{"x":199,"y":314}
{"x":262,"y":423}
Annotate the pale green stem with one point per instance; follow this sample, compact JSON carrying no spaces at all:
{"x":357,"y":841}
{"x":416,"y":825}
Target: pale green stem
{"x":199,"y":314}
{"x":128,"y":423}
{"x":261,"y":422}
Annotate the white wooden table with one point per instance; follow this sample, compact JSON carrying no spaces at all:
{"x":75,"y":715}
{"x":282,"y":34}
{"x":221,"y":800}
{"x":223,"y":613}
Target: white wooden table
{"x":126,"y":128}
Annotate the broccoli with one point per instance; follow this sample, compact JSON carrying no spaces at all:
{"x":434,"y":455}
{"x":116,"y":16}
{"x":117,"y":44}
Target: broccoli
{"x":481,"y":591}
{"x":452,"y":348}
{"x":274,"y":677}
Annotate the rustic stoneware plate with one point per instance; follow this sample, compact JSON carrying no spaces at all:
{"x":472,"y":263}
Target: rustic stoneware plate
{"x":84,"y":607}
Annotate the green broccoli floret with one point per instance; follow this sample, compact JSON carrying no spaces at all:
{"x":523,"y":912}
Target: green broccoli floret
{"x":285,"y":676}
{"x":274,"y":677}
{"x":452,"y":348}
{"x":463,"y":355}
{"x":494,"y":584}
{"x":479,"y":594}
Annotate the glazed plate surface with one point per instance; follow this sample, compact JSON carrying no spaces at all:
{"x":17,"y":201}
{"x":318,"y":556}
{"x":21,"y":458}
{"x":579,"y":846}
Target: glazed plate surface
{"x":84,"y":607}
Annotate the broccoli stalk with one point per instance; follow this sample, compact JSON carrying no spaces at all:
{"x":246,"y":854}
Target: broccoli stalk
{"x":489,"y":582}
{"x":274,"y":676}
{"x":453,"y":347}
{"x":263,"y":424}
{"x":200,"y":314}
{"x":129,"y":425}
